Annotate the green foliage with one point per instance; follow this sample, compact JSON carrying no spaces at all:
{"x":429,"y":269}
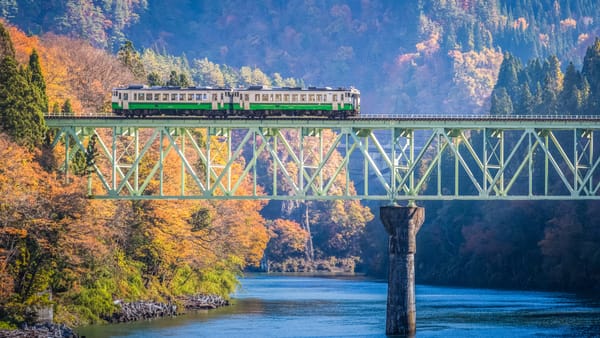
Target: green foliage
{"x":131,"y":59}
{"x":37,"y":81}
{"x":67,"y":108}
{"x":221,"y":278}
{"x":21,"y":100}
{"x":6,"y":46}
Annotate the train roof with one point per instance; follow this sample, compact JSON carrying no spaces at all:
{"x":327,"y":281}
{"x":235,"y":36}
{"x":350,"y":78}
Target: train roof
{"x":249,"y":88}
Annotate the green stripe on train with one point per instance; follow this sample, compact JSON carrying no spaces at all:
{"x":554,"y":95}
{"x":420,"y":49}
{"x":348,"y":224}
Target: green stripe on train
{"x":208,"y":106}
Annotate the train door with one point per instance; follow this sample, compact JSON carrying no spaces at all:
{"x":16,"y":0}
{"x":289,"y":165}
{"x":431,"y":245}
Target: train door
{"x":215,"y":101}
{"x":125,"y":101}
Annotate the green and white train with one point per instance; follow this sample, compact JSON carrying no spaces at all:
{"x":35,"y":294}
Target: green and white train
{"x":251,"y":102}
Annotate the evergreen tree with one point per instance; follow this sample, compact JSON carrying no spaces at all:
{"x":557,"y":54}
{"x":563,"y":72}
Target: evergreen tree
{"x":37,"y":80}
{"x":20,"y":105}
{"x":154,"y":79}
{"x":526,"y":103}
{"x":55,"y":108}
{"x":131,"y":59}
{"x":570,"y":100}
{"x":20,"y":114}
{"x":6,"y":46}
{"x":501,"y":103}
{"x":66,"y":108}
{"x":173,"y":79}
{"x":508,"y":75}
{"x":184,"y":81}
{"x":591,"y":71}
{"x":549,"y":98}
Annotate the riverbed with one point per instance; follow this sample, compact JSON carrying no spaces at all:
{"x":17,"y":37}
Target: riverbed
{"x":300,"y":306}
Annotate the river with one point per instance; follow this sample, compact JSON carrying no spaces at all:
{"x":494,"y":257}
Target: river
{"x":297,"y":306}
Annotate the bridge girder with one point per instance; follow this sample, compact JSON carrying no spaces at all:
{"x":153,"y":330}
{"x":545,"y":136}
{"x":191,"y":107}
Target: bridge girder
{"x":371,"y":159}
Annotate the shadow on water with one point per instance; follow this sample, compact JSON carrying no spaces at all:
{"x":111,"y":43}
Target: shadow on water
{"x":300,"y":306}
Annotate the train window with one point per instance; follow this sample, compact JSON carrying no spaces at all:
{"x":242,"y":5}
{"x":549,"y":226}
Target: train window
{"x":271,"y":97}
{"x":334,"y":97}
{"x":265,"y":97}
{"x":246,"y":97}
{"x":294,"y":97}
{"x":134,"y":96}
{"x":198,"y":97}
{"x":165,"y":97}
{"x":286,"y":97}
{"x":257,"y":97}
{"x":278,"y":97}
{"x":173,"y":97}
{"x":181,"y":97}
{"x":319,"y":97}
{"x":149,"y":97}
{"x":221,"y":96}
{"x":125,"y":96}
{"x":140,"y":96}
{"x":215,"y":97}
{"x":156,"y":97}
{"x":311,"y":97}
{"x":119,"y":96}
{"x":303,"y":97}
{"x":204,"y":97}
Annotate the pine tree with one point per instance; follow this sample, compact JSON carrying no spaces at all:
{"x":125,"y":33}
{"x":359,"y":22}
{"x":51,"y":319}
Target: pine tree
{"x":508,"y":76}
{"x":501,"y":103}
{"x":6,"y":46}
{"x":591,"y":71}
{"x":20,"y":109}
{"x":132,"y":60}
{"x":37,"y":80}
{"x":66,"y":108}
{"x":526,"y":103}
{"x":173,"y":79}
{"x":569,"y":99}
{"x":154,"y":79}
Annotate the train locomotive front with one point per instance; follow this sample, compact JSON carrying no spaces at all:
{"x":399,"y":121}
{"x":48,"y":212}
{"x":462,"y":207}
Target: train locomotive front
{"x":250,"y":102}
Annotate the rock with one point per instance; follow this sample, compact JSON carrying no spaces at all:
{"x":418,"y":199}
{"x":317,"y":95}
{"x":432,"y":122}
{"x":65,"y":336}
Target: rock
{"x":40,"y":331}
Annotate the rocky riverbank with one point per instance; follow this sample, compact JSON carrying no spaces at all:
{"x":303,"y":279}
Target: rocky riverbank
{"x":40,"y":331}
{"x":127,"y":312}
{"x":133,"y":311}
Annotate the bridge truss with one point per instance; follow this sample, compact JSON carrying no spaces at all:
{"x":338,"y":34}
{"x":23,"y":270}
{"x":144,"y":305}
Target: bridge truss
{"x":394,"y":158}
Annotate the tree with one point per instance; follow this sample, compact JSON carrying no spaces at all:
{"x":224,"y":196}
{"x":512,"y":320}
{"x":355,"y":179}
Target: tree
{"x":591,"y":72}
{"x":6,"y":46}
{"x":131,"y":59}
{"x":501,"y":103}
{"x":154,"y":79}
{"x":21,"y":115}
{"x":570,"y":99}
{"x":37,"y":81}
{"x":66,"y":108}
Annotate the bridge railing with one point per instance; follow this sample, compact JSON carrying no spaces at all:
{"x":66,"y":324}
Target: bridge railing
{"x":409,"y":116}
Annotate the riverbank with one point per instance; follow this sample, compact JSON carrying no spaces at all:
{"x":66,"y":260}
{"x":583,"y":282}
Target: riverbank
{"x":128,"y":312}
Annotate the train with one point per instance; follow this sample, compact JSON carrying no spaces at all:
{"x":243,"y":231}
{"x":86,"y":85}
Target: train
{"x":248,"y":102}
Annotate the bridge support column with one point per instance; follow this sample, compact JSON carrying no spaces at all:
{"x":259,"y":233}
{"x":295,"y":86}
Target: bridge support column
{"x":402,"y":224}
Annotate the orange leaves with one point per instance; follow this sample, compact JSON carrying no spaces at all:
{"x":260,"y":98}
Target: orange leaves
{"x":288,"y":239}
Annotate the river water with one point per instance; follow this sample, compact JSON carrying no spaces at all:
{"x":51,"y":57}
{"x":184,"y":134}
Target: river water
{"x":297,"y":306}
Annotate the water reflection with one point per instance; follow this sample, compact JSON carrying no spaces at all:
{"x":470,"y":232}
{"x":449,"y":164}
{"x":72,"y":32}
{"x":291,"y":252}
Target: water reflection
{"x":284,"y":306}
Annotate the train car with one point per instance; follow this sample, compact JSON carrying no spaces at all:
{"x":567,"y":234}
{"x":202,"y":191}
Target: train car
{"x":251,"y":102}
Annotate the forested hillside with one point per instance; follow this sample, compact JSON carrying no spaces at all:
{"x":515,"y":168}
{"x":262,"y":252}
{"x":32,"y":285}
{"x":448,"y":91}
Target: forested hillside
{"x":406,"y":56}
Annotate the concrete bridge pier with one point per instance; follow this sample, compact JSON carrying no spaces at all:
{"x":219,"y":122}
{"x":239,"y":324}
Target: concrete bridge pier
{"x":402,"y":224}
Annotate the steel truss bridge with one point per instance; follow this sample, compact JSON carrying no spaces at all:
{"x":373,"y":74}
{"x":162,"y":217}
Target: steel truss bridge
{"x":388,"y":158}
